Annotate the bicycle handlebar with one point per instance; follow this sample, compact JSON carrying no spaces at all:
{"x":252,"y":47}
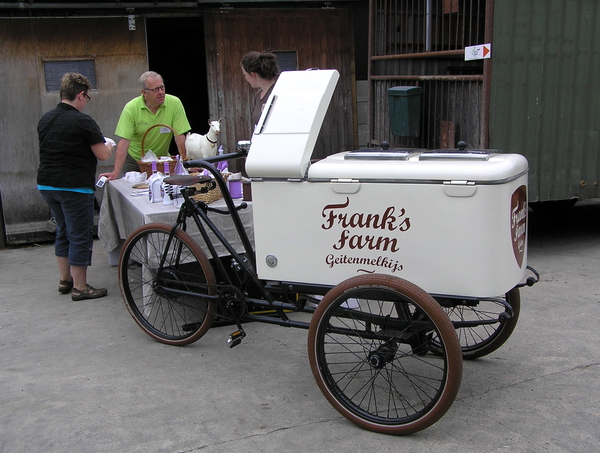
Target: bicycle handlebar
{"x":207,"y":164}
{"x":243,"y":147}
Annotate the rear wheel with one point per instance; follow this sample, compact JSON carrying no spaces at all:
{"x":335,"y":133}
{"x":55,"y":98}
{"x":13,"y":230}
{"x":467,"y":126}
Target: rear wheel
{"x":486,"y":323}
{"x":368,"y":347}
{"x":160,"y":301}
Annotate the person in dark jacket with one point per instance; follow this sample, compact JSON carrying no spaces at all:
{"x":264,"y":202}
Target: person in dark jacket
{"x":71,"y":144}
{"x":260,"y":70}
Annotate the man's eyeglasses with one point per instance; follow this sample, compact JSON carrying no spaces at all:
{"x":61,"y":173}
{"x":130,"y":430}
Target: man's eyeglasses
{"x":156,"y":90}
{"x":87,"y":97}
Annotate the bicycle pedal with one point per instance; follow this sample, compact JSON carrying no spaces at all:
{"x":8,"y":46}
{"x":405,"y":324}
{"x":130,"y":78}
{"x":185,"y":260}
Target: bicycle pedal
{"x":236,"y":338}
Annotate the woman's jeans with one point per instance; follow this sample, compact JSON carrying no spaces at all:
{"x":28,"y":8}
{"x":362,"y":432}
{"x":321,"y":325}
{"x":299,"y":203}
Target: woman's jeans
{"x":74,"y":215}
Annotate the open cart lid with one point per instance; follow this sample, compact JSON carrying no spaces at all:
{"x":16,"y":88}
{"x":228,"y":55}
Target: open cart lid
{"x":285,"y":136}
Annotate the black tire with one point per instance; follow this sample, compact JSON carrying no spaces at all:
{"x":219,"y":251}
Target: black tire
{"x":482,"y":339}
{"x":171,"y":319}
{"x":372,"y":362}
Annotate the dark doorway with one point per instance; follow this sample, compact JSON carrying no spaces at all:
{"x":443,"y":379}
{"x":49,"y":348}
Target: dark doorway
{"x":176,"y":50}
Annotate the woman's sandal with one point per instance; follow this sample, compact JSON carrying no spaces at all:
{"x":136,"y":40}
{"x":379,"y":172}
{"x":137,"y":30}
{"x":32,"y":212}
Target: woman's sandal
{"x":65,"y":286}
{"x":88,"y":293}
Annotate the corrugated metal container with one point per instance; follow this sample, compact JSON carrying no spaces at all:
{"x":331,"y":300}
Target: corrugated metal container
{"x":545,"y":93}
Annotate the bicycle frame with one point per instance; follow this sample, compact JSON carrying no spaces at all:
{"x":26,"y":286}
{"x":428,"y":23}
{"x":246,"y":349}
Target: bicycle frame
{"x":198,"y":211}
{"x":244,"y":263}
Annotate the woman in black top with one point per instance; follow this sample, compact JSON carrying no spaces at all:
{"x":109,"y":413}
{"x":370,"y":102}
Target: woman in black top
{"x":260,"y":70}
{"x":71,"y":144}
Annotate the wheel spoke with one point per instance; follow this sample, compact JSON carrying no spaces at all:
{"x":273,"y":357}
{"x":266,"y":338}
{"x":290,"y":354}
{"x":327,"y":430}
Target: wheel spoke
{"x":371,"y":361}
{"x":157,"y":274}
{"x":487,"y":323}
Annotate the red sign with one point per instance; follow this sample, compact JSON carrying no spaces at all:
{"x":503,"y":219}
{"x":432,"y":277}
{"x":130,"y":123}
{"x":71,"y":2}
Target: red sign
{"x":518,"y":223}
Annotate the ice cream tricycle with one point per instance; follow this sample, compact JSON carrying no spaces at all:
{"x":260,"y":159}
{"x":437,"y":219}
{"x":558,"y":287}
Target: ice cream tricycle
{"x":408,"y":260}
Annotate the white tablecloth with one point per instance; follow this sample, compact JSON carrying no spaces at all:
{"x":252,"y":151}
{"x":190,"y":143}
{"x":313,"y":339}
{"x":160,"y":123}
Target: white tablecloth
{"x":121,"y":213}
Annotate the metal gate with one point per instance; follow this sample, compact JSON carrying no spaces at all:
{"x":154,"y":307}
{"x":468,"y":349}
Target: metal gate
{"x":421,"y":43}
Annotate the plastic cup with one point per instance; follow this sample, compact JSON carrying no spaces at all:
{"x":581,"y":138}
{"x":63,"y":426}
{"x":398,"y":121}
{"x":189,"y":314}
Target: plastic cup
{"x":235,"y":188}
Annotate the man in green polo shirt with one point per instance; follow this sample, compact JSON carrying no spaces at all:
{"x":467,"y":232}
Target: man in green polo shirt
{"x":153,"y":106}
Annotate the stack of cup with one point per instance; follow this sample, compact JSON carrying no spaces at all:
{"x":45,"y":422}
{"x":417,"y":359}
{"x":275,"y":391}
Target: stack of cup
{"x":235,"y":185}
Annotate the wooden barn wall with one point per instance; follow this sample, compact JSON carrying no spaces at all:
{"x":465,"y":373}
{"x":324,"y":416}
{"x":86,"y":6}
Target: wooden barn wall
{"x":120,"y":58}
{"x":322,"y":39}
{"x":545,"y":92}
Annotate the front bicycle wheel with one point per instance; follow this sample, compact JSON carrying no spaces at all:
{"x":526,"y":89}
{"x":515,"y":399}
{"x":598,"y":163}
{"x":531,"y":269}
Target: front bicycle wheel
{"x":166,"y":301}
{"x":368,"y":347}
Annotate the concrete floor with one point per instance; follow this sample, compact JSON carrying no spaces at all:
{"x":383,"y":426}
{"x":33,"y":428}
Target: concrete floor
{"x":82,"y":377}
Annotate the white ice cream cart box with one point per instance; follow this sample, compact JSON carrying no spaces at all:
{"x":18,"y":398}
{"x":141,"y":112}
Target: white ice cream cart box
{"x":454,"y":223}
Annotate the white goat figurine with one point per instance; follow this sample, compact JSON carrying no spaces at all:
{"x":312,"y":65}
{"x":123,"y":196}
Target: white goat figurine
{"x":203,"y":146}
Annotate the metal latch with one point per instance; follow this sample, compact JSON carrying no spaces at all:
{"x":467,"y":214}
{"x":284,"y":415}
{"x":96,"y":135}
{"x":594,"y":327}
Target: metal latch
{"x":345,"y":185}
{"x":460,"y":188}
{"x":460,"y":183}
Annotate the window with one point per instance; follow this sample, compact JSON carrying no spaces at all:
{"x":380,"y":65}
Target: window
{"x":54,"y":70}
{"x":287,"y":60}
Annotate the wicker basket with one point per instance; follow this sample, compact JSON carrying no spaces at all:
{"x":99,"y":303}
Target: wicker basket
{"x":210,"y":196}
{"x":147,"y":166}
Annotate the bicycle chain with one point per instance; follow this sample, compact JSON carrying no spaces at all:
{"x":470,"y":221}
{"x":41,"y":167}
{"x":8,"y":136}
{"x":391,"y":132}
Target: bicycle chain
{"x":221,"y":291}
{"x":232,"y":300}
